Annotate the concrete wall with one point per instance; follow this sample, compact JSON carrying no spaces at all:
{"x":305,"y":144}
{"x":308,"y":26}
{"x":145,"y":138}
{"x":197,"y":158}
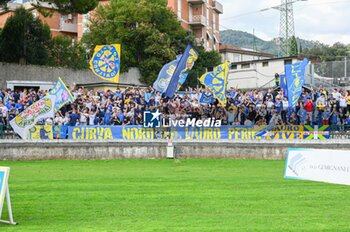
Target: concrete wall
{"x":118,"y":149}
{"x":256,"y":75}
{"x":15,"y":72}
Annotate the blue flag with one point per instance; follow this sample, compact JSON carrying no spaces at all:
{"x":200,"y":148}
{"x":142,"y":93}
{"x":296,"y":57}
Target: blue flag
{"x":283,"y":84}
{"x":295,"y":75}
{"x":207,"y":98}
{"x":184,"y":66}
{"x":232,"y":94}
{"x":162,"y":82}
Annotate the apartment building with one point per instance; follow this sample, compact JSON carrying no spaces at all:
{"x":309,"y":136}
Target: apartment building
{"x":199,"y":16}
{"x":59,"y":24}
{"x":73,"y":25}
{"x":202,"y":17}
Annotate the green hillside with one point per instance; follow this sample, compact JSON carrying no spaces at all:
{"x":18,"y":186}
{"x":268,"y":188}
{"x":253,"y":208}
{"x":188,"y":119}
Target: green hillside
{"x":247,"y":40}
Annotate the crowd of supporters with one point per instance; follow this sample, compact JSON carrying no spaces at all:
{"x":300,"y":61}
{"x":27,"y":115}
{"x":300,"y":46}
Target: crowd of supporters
{"x":126,"y":107}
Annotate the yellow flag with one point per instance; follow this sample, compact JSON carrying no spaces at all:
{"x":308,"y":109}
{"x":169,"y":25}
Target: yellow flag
{"x":105,"y":63}
{"x":216,"y":81}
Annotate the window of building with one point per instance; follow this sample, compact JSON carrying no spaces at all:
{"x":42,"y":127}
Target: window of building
{"x":207,"y":42}
{"x":289,"y":61}
{"x":247,"y":65}
{"x":265,"y":64}
{"x":234,"y":66}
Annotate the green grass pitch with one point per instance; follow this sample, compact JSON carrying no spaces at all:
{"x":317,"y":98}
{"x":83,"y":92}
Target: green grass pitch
{"x":168,"y":195}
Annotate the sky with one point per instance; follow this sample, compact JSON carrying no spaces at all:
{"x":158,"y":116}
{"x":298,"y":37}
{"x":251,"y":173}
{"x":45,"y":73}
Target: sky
{"x":327,"y":21}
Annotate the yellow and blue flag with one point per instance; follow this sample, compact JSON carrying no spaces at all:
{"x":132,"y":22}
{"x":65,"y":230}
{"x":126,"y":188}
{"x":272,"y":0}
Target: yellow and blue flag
{"x":62,"y":94}
{"x":216,"y":81}
{"x":165,"y":74}
{"x":183,"y":67}
{"x":105,"y":62}
{"x":295,"y":76}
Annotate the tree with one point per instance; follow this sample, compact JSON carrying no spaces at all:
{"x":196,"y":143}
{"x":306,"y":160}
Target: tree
{"x":24,"y":39}
{"x":65,"y":53}
{"x":64,"y":6}
{"x":73,"y":6}
{"x":293,"y":50}
{"x":149,"y":32}
{"x":324,"y":53}
{"x":3,"y":3}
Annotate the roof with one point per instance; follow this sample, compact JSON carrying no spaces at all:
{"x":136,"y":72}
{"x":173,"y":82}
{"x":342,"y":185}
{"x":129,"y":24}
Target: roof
{"x":271,"y":59}
{"x":230,"y":48}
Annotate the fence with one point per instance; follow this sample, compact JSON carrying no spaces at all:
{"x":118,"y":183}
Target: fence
{"x":334,"y":73}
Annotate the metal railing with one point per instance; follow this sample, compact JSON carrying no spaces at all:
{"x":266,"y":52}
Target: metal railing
{"x":6,"y":132}
{"x":334,"y":72}
{"x":340,"y":132}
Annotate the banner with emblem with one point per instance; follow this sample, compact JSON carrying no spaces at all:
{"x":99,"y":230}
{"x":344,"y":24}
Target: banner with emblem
{"x":44,"y":108}
{"x":295,"y":76}
{"x":42,"y":132}
{"x":184,"y":66}
{"x":165,"y":74}
{"x":62,"y":94}
{"x":216,"y":81}
{"x":207,"y":98}
{"x":105,"y":62}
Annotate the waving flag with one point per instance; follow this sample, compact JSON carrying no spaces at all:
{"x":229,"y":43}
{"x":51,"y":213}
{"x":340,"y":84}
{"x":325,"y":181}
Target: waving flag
{"x":44,"y":108}
{"x":232,"y":94}
{"x":183,"y":67}
{"x":62,"y":94}
{"x":162,"y":83}
{"x":105,"y":62}
{"x":216,"y":81}
{"x":295,"y":75}
{"x":283,"y":84}
{"x":207,"y":98}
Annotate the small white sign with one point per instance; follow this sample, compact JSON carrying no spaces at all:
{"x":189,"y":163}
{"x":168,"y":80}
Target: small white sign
{"x":5,"y":194}
{"x":330,"y":166}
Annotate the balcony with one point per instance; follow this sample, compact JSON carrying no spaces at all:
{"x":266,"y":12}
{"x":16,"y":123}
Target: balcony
{"x":198,"y":20}
{"x":69,"y":23}
{"x":196,"y":1}
{"x":217,"y":6}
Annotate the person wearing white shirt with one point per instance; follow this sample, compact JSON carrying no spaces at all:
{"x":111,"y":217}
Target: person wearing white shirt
{"x":342,"y":103}
{"x":92,"y":116}
{"x":83,"y":117}
{"x":336,"y":94}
